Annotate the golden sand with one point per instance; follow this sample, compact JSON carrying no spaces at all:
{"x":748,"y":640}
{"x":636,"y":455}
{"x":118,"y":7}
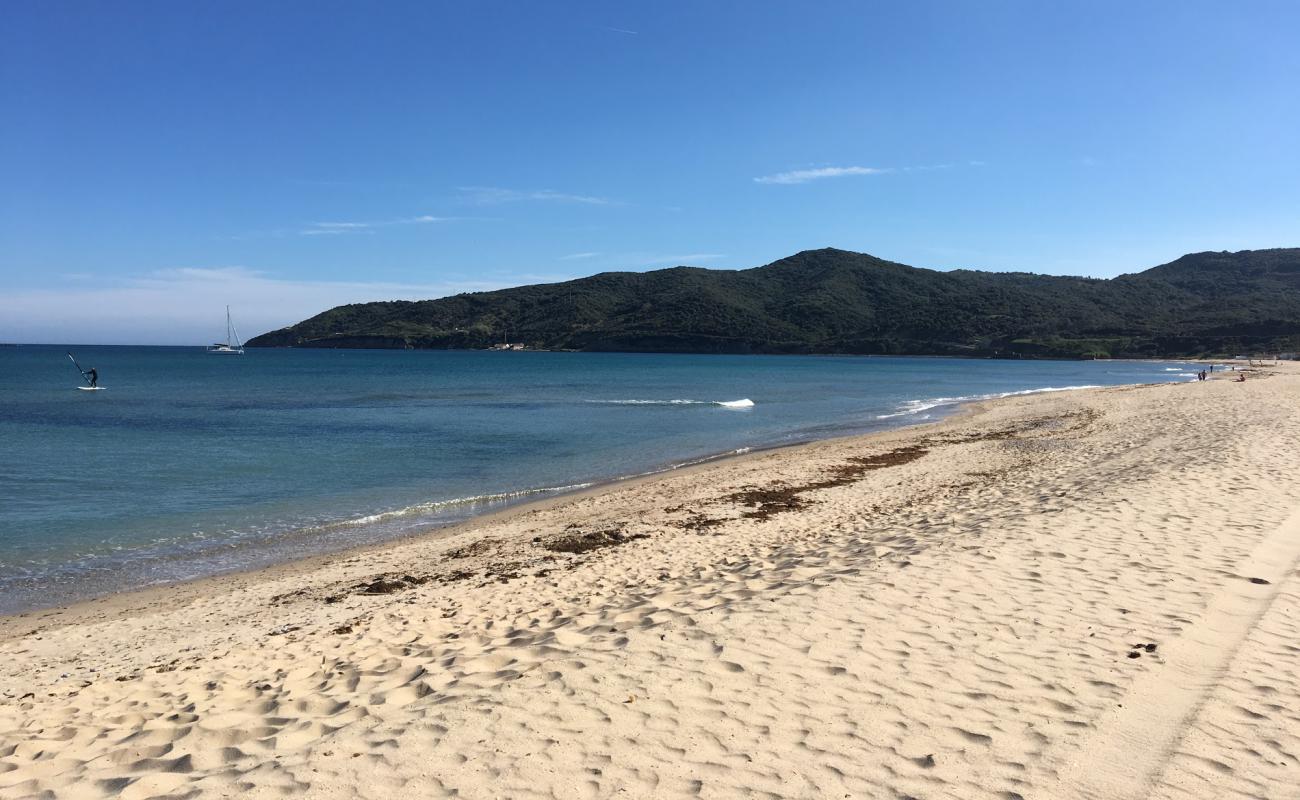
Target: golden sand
{"x":1089,"y":594}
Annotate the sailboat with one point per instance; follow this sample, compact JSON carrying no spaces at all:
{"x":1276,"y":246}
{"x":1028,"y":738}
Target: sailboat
{"x":231,"y":344}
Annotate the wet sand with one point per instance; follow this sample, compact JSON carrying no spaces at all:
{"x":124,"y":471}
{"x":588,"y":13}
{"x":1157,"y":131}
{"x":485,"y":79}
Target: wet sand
{"x":1089,"y":594}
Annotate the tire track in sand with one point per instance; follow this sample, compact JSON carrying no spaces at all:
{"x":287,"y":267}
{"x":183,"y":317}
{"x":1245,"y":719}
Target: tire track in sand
{"x":1129,"y":749}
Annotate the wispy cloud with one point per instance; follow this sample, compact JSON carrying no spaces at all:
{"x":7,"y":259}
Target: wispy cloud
{"x":807,"y":175}
{"x":620,"y":30}
{"x":207,"y":274}
{"x":641,"y":259}
{"x":492,"y":195}
{"x":324,"y":230}
{"x":186,"y":305}
{"x":820,"y":173}
{"x":335,"y":228}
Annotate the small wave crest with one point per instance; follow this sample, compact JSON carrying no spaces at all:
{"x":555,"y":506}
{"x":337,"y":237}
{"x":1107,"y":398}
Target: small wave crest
{"x":909,"y":407}
{"x":441,"y":505}
{"x":691,"y":463}
{"x":742,"y":403}
{"x":745,"y":403}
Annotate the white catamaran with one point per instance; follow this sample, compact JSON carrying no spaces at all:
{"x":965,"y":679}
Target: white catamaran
{"x":231,"y":344}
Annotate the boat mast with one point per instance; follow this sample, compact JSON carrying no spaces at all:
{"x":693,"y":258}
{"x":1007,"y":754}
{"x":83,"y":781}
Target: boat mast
{"x":232,"y":335}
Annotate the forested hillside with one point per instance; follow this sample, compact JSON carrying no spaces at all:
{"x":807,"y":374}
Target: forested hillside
{"x":834,"y":301}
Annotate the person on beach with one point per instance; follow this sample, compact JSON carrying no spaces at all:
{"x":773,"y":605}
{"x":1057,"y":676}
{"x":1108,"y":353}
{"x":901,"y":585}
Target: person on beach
{"x":92,"y":375}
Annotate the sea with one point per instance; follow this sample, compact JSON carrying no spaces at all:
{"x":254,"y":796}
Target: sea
{"x":190,"y":464}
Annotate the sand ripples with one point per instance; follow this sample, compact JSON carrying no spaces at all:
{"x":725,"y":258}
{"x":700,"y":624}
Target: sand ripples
{"x":959,"y":623}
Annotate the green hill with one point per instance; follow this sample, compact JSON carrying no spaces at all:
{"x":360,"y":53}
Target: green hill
{"x":834,"y":301}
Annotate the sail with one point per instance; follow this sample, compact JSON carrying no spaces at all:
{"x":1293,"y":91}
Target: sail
{"x":232,"y":335}
{"x":232,"y":343}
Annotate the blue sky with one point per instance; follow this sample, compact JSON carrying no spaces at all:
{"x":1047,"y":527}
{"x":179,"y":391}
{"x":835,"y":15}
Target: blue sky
{"x":161,"y":159}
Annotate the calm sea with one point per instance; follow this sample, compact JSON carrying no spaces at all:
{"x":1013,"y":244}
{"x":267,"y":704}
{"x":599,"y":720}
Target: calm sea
{"x":189,"y":464}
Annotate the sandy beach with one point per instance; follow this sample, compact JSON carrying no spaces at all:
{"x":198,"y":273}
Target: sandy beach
{"x":1085,"y":594}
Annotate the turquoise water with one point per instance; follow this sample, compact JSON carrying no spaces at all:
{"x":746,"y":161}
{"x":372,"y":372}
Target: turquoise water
{"x":188,"y":463}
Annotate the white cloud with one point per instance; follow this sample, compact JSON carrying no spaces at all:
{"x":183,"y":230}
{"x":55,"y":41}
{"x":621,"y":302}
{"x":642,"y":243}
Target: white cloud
{"x":333,"y":228}
{"x":806,"y":175}
{"x":643,"y":259}
{"x":492,"y":195}
{"x":186,"y":305}
{"x":332,"y":231}
{"x":620,"y":30}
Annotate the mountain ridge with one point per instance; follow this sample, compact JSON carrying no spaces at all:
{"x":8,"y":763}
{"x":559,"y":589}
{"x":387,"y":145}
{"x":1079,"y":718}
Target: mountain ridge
{"x":837,"y":301}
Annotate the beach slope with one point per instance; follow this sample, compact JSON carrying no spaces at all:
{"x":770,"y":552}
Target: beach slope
{"x":1089,"y":594}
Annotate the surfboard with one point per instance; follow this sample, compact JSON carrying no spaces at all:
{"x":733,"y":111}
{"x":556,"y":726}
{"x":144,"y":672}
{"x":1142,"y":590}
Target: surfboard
{"x":91,"y":388}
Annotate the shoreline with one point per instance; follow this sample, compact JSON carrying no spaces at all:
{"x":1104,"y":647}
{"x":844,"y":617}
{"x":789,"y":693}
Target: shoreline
{"x":945,"y":411}
{"x":101,"y":541}
{"x":1002,"y":602}
{"x":142,"y":596}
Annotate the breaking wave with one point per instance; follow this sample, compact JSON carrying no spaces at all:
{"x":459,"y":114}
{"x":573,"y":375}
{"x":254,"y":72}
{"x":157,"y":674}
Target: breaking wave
{"x":742,"y":403}
{"x":440,"y":505}
{"x":910,"y":407}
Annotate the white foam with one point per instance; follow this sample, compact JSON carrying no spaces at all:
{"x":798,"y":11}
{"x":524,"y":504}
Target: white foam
{"x":910,"y":407}
{"x":651,"y":402}
{"x":437,"y":505}
{"x":693,"y":462}
{"x":744,"y":403}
